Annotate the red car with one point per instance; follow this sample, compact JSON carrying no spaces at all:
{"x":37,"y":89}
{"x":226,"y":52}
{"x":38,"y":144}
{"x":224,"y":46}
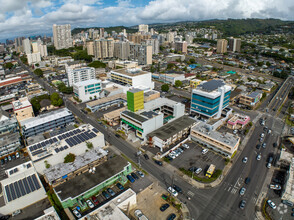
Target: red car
{"x":95,"y":200}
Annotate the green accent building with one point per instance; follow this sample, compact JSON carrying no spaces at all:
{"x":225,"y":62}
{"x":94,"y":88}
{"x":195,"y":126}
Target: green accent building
{"x":135,"y":99}
{"x":72,"y":192}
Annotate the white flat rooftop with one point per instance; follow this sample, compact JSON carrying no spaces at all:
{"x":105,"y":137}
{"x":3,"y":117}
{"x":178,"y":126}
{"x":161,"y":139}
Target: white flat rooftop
{"x":87,"y":82}
{"x":44,"y":118}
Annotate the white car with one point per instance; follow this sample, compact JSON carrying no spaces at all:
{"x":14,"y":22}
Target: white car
{"x":242,"y":191}
{"x":275,"y":186}
{"x":204,"y":151}
{"x":77,"y":214}
{"x":271,"y":204}
{"x":268,"y":165}
{"x":90,"y":204}
{"x":245,"y":159}
{"x":138,"y":213}
{"x":235,"y":131}
{"x":258,"y":157}
{"x":172,"y":191}
{"x":172,"y":156}
{"x":140,"y":174}
{"x":198,"y":170}
{"x":269,"y":131}
{"x":17,"y":155}
{"x":186,"y":146}
{"x":262,"y":135}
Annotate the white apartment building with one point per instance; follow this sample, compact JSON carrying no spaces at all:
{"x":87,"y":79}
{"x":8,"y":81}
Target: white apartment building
{"x":26,"y":46}
{"x":103,"y":48}
{"x":34,"y":58}
{"x":134,"y":77}
{"x":62,"y":36}
{"x":79,"y":74}
{"x":87,"y":90}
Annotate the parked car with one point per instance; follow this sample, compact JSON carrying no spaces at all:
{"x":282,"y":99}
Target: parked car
{"x":258,"y":157}
{"x":262,"y":135}
{"x":119,"y":186}
{"x":146,"y":157}
{"x":271,"y":204}
{"x":134,"y":176}
{"x":105,"y":194}
{"x":164,"y":207}
{"x":158,"y":162}
{"x":258,"y":146}
{"x":90,"y":204}
{"x":242,"y":191}
{"x":164,"y":196}
{"x":138,"y":213}
{"x":242,"y":204}
{"x":204,"y":151}
{"x":9,"y":158}
{"x":275,"y":186}
{"x":110,"y":191}
{"x":13,"y":157}
{"x":198,"y":170}
{"x":17,"y":155}
{"x":192,"y":169}
{"x":268,"y":165}
{"x":186,"y":146}
{"x":130,"y":178}
{"x":264,"y":145}
{"x":95,"y":200}
{"x":140,"y":174}
{"x":172,"y":191}
{"x":15,"y":213}
{"x":77,"y":213}
{"x":177,"y":188}
{"x":171,"y":216}
{"x":2,"y":161}
{"x":288,"y":203}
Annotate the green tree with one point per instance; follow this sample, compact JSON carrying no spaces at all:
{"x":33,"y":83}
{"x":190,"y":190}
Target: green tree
{"x":64,"y":89}
{"x":55,"y":99}
{"x":69,"y":158}
{"x":97,"y":64}
{"x":39,"y":72}
{"x":165,"y":87}
{"x":89,"y":145}
{"x":170,"y":66}
{"x":192,"y":60}
{"x":8,"y":65}
{"x":178,"y":83}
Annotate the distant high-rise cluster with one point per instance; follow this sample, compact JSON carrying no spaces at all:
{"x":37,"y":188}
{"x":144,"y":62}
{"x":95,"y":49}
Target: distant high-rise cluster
{"x":143,"y":28}
{"x":234,"y":44}
{"x":62,"y":36}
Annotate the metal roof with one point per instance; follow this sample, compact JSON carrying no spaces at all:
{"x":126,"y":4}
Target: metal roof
{"x":211,"y":85}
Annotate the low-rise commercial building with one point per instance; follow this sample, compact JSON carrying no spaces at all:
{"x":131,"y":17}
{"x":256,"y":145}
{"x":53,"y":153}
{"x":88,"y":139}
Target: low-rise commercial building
{"x":120,"y":204}
{"x":168,"y":78}
{"x":87,"y":90}
{"x":135,"y":78}
{"x":238,"y":121}
{"x":88,"y":184}
{"x":170,"y":133}
{"x":223,"y":143}
{"x":22,"y":109}
{"x":53,"y":150}
{"x":151,"y":95}
{"x":113,"y":117}
{"x":45,"y":122}
{"x":250,"y":100}
{"x":21,"y":189}
{"x":104,"y":103}
{"x":194,"y":83}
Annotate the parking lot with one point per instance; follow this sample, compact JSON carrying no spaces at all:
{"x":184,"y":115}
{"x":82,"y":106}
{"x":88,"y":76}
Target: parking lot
{"x":193,"y":157}
{"x":149,"y":202}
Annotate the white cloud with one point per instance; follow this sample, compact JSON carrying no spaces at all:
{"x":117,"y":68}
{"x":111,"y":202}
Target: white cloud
{"x":37,"y":16}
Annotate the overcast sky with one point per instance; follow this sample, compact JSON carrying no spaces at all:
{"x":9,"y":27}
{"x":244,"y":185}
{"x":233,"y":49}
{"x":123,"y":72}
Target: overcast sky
{"x":24,"y":17}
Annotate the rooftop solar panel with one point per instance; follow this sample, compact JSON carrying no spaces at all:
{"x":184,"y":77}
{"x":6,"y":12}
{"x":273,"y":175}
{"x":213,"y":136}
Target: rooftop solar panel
{"x":43,"y":144}
{"x":75,"y":131}
{"x":56,"y":150}
{"x":17,"y":191}
{"x":36,"y":182}
{"x":61,"y":149}
{"x":95,"y":130}
{"x":31,"y":148}
{"x":9,"y":198}
{"x":22,"y":190}
{"x":55,"y":139}
{"x":26,"y":185}
{"x":39,"y":146}
{"x":47,"y":142}
{"x":59,"y":137}
{"x":65,"y":147}
{"x":81,"y":137}
{"x":32,"y":186}
{"x":12,"y":192}
{"x":71,"y":133}
{"x":35,"y":147}
{"x":29,"y":165}
{"x":51,"y":141}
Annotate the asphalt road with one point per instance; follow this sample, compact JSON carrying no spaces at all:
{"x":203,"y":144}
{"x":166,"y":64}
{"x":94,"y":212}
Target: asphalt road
{"x":215,"y":203}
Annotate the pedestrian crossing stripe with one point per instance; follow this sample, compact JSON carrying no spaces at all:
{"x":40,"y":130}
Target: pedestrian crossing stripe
{"x":190,"y":193}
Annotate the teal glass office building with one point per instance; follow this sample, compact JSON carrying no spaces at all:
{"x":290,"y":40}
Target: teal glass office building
{"x":210,"y":98}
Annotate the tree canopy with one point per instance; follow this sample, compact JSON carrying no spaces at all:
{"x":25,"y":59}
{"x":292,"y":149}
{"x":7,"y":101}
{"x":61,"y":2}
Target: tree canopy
{"x":55,"y":99}
{"x":178,"y":83}
{"x":64,"y":89}
{"x":39,"y":72}
{"x":97,"y":64}
{"x":165,"y":87}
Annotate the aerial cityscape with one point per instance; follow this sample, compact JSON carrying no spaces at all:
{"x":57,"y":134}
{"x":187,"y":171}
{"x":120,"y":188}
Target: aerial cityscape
{"x":117,"y":110}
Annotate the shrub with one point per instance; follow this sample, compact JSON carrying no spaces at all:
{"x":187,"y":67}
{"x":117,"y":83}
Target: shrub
{"x":69,"y":158}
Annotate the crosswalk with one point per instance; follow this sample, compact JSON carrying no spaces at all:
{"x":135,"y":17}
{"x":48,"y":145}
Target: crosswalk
{"x":190,"y":193}
{"x":233,"y":188}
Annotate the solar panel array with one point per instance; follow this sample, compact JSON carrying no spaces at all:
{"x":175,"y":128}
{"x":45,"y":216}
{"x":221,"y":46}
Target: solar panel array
{"x":72,"y":138}
{"x":22,"y":187}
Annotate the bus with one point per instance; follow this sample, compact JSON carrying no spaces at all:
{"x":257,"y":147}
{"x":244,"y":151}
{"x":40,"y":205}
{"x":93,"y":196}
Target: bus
{"x":210,"y":170}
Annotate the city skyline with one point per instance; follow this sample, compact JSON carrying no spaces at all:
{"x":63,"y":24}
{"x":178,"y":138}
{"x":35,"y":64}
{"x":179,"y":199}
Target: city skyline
{"x":35,"y":17}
